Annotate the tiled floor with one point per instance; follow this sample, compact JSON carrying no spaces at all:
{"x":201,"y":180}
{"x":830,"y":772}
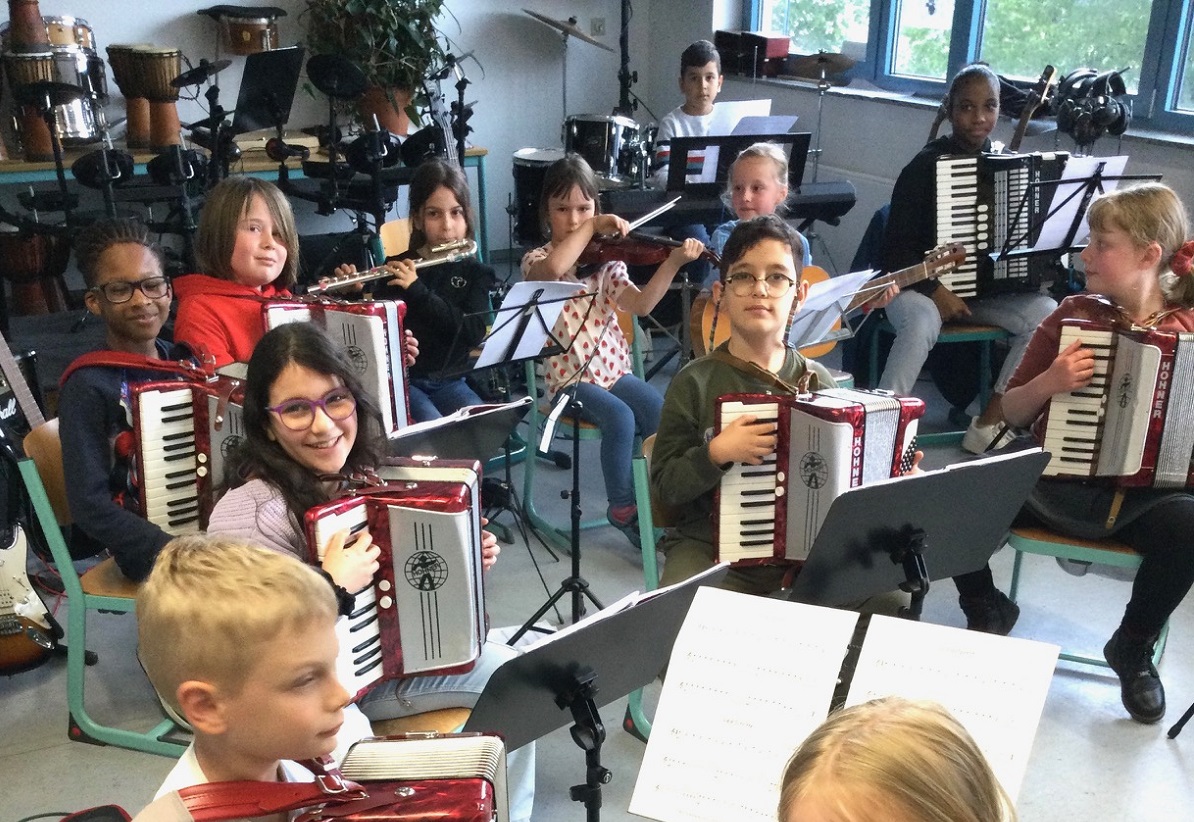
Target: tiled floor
{"x":1090,"y":761}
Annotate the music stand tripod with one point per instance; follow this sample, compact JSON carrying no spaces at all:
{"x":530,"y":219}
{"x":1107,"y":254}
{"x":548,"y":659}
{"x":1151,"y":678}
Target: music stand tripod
{"x":521,"y":332}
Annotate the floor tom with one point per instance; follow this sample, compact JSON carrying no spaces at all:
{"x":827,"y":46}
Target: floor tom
{"x":530,"y":167}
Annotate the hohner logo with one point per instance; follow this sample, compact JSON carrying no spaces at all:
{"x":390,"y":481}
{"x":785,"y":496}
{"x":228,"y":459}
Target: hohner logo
{"x":1162,"y":394}
{"x":814,"y":471}
{"x":9,"y":410}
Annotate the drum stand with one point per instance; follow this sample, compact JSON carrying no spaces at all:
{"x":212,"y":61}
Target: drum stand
{"x":45,"y":96}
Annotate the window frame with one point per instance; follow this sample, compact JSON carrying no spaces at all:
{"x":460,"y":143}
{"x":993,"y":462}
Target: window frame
{"x":1171,"y":23}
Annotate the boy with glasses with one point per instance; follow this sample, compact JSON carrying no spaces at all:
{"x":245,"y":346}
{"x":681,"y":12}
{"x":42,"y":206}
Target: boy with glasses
{"x":759,"y":293}
{"x":128,"y":289}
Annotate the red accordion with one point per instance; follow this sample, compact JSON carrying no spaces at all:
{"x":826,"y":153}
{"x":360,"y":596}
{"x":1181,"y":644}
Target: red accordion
{"x":182,"y":433}
{"x":1133,"y":424}
{"x":424,"y":613}
{"x":827,"y":441}
{"x":409,"y":778}
{"x":370,"y":333}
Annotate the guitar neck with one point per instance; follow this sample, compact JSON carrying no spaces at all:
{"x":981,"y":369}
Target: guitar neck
{"x":903,"y":278}
{"x":16,"y":380}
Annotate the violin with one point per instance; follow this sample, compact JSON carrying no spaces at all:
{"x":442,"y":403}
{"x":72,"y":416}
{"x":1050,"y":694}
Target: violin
{"x":636,"y":248}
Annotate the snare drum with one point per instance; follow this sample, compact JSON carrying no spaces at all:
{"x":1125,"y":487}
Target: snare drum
{"x":602,"y":140}
{"x":248,"y":35}
{"x":530,"y":167}
{"x":120,"y":58}
{"x":69,"y":32}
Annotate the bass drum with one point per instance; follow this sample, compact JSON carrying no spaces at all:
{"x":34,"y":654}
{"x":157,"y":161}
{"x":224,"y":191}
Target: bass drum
{"x":530,"y":167}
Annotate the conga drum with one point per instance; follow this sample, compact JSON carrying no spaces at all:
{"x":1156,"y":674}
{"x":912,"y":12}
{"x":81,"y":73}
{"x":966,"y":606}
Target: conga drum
{"x":120,"y":58}
{"x":155,"y":69}
{"x":34,"y":264}
{"x":27,"y":31}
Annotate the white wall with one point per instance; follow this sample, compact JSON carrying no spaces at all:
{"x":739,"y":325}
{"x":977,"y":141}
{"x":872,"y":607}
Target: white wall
{"x":865,"y":140}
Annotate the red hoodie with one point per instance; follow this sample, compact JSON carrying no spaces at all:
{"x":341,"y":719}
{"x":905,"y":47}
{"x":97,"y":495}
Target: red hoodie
{"x":220,"y":316}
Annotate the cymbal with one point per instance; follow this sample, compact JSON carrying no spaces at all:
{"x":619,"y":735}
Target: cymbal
{"x":568,"y":28}
{"x":810,"y":65}
{"x":336,"y":76}
{"x":58,"y":94}
{"x":200,"y":74}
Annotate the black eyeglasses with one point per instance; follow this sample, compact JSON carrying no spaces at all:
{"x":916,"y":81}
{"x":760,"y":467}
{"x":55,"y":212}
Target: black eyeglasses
{"x":775,"y":284}
{"x":121,"y":292}
{"x":299,"y":413}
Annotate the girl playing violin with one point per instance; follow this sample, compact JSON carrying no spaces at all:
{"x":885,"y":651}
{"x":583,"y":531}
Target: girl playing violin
{"x":597,"y":362}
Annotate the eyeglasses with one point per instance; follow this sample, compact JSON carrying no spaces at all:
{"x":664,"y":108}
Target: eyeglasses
{"x":774,"y":284}
{"x":121,"y":292}
{"x":298,"y":414}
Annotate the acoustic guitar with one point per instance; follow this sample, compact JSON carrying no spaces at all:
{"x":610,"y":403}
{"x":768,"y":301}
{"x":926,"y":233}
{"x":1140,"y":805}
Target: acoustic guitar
{"x":707,"y":333}
{"x":1038,"y":95}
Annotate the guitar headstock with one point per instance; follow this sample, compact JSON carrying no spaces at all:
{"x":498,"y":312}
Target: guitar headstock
{"x":945,"y":257}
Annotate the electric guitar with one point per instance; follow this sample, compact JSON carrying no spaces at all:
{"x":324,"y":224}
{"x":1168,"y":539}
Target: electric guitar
{"x":25,"y":636}
{"x":707,"y":333}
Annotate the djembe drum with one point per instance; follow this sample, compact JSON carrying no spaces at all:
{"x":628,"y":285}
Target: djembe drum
{"x":154,"y":69}
{"x":34,"y":264}
{"x":120,"y":58}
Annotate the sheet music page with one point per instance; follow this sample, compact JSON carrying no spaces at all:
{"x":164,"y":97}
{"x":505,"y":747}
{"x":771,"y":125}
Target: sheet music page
{"x":552,"y":296}
{"x":823,"y":307}
{"x":1077,"y":170}
{"x":994,"y":685}
{"x":749,"y":678}
{"x":726,"y":114}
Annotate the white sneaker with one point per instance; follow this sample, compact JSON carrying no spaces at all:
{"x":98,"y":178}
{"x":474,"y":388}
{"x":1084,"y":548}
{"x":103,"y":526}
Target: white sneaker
{"x":978,"y":438}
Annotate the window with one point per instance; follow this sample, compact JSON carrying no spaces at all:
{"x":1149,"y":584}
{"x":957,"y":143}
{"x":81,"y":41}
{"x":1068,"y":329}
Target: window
{"x":914,"y":45}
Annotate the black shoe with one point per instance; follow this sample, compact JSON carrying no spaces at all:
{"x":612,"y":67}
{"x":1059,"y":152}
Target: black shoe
{"x":1140,"y":685}
{"x":991,"y":613}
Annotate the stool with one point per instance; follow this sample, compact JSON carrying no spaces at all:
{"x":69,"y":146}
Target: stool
{"x":1102,"y":551}
{"x":950,"y":333}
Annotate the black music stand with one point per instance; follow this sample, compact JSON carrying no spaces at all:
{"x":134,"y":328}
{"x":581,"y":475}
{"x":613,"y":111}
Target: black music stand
{"x":267,"y":89}
{"x":472,"y":432}
{"x":877,"y":538}
{"x":728,"y":148}
{"x":581,"y":670}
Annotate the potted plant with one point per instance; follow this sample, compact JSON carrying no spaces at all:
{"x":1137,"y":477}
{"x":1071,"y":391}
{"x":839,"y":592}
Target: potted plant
{"x":395,"y":42}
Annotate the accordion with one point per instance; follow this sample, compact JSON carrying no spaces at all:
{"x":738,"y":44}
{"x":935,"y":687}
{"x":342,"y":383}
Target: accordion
{"x":458,"y":777}
{"x":827,"y":442}
{"x":370,"y":333}
{"x":424,"y":613}
{"x":985,"y":200}
{"x":1134,"y":422}
{"x":404,"y":778}
{"x":182,"y":434}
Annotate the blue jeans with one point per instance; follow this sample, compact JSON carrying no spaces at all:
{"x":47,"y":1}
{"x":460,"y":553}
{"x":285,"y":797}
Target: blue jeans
{"x":432,"y":399}
{"x":630,"y":406}
{"x":419,"y":694}
{"x":917,"y":323}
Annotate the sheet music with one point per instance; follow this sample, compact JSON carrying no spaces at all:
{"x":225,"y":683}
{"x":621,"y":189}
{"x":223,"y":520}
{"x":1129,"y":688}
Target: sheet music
{"x":1077,"y":170}
{"x":727,"y":114}
{"x":749,"y":677}
{"x":995,"y":686}
{"x":826,"y":302}
{"x":551,"y":299}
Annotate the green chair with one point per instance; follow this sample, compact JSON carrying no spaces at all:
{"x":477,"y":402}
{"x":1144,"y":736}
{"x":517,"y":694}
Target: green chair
{"x":1026,"y":540}
{"x":101,"y":588}
{"x":559,"y":535}
{"x":635,"y":722}
{"x":950,"y":333}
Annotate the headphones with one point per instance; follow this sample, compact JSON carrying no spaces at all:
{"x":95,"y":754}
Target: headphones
{"x":1088,"y":106}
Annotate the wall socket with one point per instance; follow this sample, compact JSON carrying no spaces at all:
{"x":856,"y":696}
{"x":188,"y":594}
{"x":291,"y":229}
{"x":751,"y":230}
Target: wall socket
{"x":597,"y":26}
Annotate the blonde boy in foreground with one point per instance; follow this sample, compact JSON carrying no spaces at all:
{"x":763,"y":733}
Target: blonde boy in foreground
{"x":240,"y":641}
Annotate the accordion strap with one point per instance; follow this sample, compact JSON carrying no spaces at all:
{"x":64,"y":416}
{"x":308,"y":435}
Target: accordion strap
{"x":218,"y":801}
{"x":762,"y":374}
{"x":191,"y":368}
